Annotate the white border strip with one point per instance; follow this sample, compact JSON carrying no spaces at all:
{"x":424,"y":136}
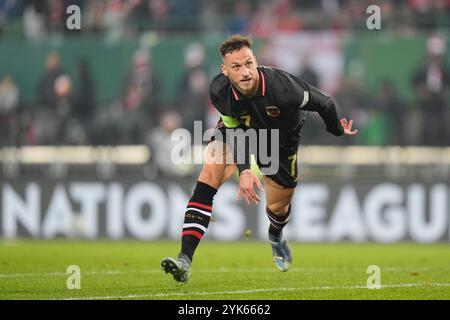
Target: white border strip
{"x":194,"y":225}
{"x":182,"y":294}
{"x":206,"y":213}
{"x":305,"y":99}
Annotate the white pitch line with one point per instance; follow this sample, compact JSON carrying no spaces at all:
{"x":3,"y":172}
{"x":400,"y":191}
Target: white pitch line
{"x":179,"y":294}
{"x":224,"y":270}
{"x":437,"y":284}
{"x":113,"y":272}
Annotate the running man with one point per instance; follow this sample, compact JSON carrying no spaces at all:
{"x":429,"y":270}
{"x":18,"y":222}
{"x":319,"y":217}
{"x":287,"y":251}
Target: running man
{"x":252,"y":97}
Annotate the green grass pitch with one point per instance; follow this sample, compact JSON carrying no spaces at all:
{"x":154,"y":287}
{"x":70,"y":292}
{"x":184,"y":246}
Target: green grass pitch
{"x":238,"y":270}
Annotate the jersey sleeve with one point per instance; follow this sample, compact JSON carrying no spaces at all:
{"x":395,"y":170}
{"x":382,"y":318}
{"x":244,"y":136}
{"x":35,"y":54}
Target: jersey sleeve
{"x":228,"y":121}
{"x":310,"y":98}
{"x":326,"y":107}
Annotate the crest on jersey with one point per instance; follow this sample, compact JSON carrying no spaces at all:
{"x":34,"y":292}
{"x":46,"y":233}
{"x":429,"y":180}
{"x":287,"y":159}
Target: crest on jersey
{"x":273,"y":111}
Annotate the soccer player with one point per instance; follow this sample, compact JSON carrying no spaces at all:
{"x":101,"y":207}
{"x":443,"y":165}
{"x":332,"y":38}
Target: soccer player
{"x":252,"y":97}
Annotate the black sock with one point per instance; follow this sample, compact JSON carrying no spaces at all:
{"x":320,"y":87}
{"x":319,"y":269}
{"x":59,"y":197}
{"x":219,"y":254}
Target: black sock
{"x":277,"y":222}
{"x":197,"y":216}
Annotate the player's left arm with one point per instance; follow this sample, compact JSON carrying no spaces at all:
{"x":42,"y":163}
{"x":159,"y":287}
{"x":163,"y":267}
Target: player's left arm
{"x":323,"y":104}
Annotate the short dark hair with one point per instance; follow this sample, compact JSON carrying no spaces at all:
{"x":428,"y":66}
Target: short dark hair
{"x":234,"y":43}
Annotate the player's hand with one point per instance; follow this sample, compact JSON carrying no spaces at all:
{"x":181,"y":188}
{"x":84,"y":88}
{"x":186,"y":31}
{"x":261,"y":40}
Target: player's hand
{"x":348,"y":127}
{"x":247,"y":180}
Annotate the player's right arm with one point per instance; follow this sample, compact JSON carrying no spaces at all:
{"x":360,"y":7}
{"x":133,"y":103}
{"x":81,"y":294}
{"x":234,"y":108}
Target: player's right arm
{"x":309,"y":98}
{"x":315,"y":100}
{"x":325,"y":106}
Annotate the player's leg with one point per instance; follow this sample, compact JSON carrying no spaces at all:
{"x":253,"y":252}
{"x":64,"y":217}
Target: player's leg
{"x":218,"y":164}
{"x":279,"y":189}
{"x":278,"y":210}
{"x":198,"y":212}
{"x":215,"y":171}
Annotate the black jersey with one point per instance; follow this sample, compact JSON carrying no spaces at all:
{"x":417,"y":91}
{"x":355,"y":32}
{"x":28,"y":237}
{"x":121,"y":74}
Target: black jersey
{"x":280,"y":103}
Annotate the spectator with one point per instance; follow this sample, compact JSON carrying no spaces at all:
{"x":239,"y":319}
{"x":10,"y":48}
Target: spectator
{"x":390,"y":105}
{"x":55,"y":121}
{"x":431,"y":82}
{"x":193,"y":97}
{"x":376,"y":129}
{"x":308,"y":74}
{"x":184,"y":15}
{"x":9,"y":11}
{"x":263,"y":23}
{"x":288,"y":21}
{"x":114,"y":18}
{"x":56,"y":16}
{"x":34,"y":19}
{"x":67,"y":127}
{"x":141,"y":99}
{"x":9,"y":105}
{"x":84,"y":103}
{"x":162,"y":145}
{"x":94,"y":16}
{"x":46,"y":93}
{"x":353,"y":100}
{"x":240,"y":20}
{"x":160,"y":11}
{"x":46,"y":115}
{"x":314,"y":124}
{"x":85,"y":97}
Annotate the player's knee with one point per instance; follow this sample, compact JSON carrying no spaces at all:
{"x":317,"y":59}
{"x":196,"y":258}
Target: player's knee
{"x":280,"y":207}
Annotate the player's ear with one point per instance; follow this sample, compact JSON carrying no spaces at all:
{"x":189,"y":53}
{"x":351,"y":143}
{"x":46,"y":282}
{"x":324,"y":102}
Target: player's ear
{"x":224,"y":70}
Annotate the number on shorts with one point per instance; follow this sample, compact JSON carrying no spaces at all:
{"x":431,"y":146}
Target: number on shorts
{"x":247,"y":120}
{"x":293,"y":159}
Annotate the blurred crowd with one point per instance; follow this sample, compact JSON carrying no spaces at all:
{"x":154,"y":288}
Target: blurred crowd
{"x":64,"y":114}
{"x":116,"y":19}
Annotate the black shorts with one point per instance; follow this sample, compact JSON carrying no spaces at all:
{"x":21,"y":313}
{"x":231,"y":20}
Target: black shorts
{"x":287,"y":162}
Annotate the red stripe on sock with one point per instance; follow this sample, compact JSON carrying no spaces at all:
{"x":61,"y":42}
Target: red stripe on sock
{"x":203,"y":206}
{"x":192,"y":232}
